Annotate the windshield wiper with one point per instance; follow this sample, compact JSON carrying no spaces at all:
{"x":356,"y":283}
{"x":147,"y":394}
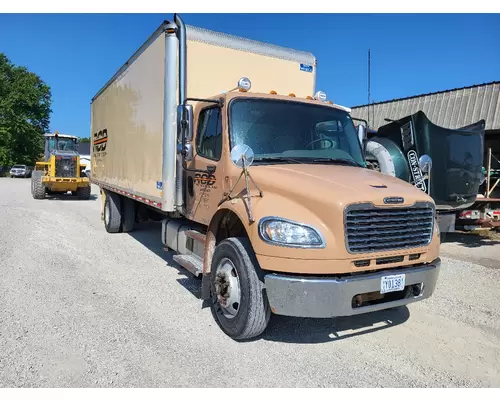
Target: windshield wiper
{"x":278,"y":159}
{"x":336,"y":161}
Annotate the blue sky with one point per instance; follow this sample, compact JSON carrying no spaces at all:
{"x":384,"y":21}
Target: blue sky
{"x":410,"y":54}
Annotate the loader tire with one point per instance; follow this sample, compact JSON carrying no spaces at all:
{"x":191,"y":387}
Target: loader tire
{"x":112,"y":213}
{"x":246,"y":312}
{"x":128,"y":214}
{"x":83,"y":193}
{"x":37,"y":187}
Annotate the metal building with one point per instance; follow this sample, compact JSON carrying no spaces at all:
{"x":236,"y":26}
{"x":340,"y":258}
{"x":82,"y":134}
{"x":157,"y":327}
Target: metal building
{"x":452,"y":108}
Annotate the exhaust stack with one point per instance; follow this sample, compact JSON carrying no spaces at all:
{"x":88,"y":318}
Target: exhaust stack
{"x":182,"y":58}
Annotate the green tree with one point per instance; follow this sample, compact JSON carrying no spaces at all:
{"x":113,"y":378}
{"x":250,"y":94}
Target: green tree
{"x":85,"y":140}
{"x":25,"y":102}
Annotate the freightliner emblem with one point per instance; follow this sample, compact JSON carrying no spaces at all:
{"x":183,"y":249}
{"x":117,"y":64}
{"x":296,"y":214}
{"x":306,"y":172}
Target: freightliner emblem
{"x":393,"y":200}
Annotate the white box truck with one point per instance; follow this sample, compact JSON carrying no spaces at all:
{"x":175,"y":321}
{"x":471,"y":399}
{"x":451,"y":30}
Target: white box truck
{"x":260,"y":182}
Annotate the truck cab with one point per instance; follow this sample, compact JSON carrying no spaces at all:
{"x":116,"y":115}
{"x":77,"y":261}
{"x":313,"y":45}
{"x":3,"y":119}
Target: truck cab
{"x":282,"y":186}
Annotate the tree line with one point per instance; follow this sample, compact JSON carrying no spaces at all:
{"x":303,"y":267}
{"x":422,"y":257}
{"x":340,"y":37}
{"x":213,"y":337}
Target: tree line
{"x":25,"y":101}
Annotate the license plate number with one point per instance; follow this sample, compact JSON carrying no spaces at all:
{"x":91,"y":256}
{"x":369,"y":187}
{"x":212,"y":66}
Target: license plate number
{"x":392,"y":283}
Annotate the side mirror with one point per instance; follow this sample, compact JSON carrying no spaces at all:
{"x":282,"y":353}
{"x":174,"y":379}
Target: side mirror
{"x":361,"y":133}
{"x":241,"y":156}
{"x":425,"y":163}
{"x":185,"y":150}
{"x":185,"y":122}
{"x":362,"y":137}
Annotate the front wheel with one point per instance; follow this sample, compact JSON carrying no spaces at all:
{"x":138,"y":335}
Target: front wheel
{"x":239,"y":304}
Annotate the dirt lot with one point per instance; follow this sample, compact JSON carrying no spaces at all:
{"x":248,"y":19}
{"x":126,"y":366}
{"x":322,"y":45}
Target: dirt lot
{"x":481,"y":248}
{"x":80,"y":307}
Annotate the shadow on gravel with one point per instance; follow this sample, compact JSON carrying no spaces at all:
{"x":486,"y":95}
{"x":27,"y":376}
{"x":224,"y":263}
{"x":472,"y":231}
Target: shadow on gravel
{"x":472,"y":240}
{"x":148,"y":234}
{"x":309,"y":330}
{"x":68,"y":197}
{"x":281,"y":329}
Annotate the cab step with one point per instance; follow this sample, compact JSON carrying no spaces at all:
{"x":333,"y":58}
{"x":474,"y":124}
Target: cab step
{"x":191,"y":263}
{"x":195,"y":235}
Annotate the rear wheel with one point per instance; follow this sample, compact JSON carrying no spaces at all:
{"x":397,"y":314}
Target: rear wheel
{"x":128,"y":214}
{"x":239,"y":304}
{"x":37,"y":187}
{"x":112,"y":213}
{"x":83,"y":192}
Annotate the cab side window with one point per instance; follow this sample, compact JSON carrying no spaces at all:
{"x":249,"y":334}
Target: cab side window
{"x":209,"y":137}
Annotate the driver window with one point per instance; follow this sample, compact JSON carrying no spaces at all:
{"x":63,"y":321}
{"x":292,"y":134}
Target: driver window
{"x":209,"y":137}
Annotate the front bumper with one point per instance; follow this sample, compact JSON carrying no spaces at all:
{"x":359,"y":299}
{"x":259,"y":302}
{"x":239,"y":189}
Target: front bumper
{"x":64,"y":184}
{"x":302,"y":296}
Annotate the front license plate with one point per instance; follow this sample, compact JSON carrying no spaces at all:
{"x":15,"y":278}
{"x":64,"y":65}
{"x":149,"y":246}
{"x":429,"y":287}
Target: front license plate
{"x":392,"y":283}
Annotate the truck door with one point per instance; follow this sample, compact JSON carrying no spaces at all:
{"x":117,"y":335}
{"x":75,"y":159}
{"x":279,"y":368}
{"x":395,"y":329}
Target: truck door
{"x":203,"y":189}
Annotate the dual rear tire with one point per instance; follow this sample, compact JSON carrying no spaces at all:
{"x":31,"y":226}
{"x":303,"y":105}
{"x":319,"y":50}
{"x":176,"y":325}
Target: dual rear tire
{"x":119,"y":213}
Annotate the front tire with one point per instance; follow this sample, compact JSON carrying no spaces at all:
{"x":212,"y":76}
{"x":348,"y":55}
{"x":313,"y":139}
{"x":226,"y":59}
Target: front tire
{"x":239,"y":304}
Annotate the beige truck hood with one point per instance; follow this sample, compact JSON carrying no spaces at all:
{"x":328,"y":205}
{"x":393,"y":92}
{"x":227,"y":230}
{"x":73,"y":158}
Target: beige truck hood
{"x":337,"y":184}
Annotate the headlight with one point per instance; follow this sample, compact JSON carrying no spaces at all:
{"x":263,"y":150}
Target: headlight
{"x":283,"y":232}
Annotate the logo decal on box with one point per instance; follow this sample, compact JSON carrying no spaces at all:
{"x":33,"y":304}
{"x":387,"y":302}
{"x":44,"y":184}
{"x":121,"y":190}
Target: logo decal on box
{"x":306,"y":68}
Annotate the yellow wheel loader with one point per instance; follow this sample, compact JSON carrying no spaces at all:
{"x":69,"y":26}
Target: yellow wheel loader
{"x":61,"y":170}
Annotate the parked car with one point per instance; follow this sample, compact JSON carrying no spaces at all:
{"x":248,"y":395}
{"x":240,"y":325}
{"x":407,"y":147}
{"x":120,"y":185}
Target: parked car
{"x":20,"y":171}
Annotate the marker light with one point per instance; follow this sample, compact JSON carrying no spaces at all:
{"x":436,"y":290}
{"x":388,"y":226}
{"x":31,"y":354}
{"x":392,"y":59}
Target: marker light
{"x":291,"y":94}
{"x":320,"y":95}
{"x":244,"y":84}
{"x":273,"y":92}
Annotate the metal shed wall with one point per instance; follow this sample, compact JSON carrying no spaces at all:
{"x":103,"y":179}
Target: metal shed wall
{"x":451,"y":109}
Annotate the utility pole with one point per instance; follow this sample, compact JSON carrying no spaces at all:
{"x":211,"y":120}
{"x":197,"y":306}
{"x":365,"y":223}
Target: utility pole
{"x":368,"y":109}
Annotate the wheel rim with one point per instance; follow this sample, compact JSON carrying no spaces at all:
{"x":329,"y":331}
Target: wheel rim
{"x":227,"y":288}
{"x":106,"y":213}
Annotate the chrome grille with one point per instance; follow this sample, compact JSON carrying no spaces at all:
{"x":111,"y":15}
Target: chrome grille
{"x":65,"y":167}
{"x":370,"y":229}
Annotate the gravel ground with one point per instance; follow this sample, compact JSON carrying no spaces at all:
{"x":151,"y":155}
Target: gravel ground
{"x":80,"y":308}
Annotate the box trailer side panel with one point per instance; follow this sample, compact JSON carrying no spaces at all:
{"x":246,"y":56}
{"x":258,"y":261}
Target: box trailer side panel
{"x":128,"y":113}
{"x":127,"y":126}
{"x":217,"y":61}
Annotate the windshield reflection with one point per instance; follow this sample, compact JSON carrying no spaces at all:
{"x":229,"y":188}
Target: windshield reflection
{"x":284,"y":131}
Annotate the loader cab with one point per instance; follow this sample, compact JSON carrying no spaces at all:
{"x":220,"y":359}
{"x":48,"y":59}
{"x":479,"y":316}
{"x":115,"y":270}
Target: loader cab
{"x":55,"y":143}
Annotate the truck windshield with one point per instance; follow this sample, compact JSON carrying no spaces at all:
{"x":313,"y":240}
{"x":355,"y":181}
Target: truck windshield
{"x":62,"y":144}
{"x":289,"y":131}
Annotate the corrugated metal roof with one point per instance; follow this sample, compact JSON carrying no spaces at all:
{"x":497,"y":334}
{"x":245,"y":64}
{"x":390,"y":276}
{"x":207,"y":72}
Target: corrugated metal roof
{"x":451,"y":109}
